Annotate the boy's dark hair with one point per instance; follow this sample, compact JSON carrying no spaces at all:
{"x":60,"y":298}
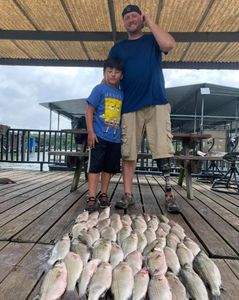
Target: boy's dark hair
{"x":113,"y":63}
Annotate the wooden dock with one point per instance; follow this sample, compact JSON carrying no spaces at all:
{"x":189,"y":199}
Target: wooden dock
{"x":39,"y":209}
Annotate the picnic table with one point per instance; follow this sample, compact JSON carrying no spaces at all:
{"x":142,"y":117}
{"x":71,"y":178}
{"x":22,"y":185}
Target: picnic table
{"x":189,"y":141}
{"x":79,"y":156}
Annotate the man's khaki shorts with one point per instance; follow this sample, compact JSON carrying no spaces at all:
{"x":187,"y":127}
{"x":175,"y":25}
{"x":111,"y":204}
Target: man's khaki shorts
{"x":156,"y":121}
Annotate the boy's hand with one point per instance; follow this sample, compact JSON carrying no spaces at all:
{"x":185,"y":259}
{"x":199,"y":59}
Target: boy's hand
{"x":92,"y":139}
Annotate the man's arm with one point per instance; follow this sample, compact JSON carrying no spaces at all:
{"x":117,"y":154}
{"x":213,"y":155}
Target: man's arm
{"x":165,"y":41}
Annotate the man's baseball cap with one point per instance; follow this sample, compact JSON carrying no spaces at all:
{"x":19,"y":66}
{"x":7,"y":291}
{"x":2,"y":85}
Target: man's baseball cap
{"x":131,"y":8}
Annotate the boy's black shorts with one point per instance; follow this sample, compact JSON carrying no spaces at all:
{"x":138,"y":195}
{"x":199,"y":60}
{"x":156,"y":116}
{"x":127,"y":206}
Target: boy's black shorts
{"x":105,"y":157}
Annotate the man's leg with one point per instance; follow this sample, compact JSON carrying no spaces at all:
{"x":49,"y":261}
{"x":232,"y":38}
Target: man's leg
{"x":128,"y":175}
{"x":127,"y":199}
{"x":164,"y":165}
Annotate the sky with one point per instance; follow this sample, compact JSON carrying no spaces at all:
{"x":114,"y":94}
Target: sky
{"x":22,"y":88}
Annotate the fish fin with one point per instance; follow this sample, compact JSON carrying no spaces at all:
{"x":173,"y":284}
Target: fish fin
{"x":217,"y":297}
{"x":37,"y":297}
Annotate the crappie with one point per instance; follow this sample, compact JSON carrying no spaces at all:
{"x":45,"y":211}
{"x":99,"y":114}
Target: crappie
{"x":74,"y":267}
{"x":141,"y":281}
{"x":159,"y":288}
{"x":177,"y":288}
{"x":60,"y":249}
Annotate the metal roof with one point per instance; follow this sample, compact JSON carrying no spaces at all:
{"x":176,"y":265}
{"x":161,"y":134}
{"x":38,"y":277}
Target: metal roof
{"x":81,"y":32}
{"x":221,"y":106}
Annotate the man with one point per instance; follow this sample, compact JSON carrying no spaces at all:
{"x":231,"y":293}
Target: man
{"x":145,"y":106}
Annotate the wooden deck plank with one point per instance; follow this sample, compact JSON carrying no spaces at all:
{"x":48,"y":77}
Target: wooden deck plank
{"x":229,"y":280}
{"x":212,"y":240}
{"x":23,"y":206}
{"x":159,"y":194}
{"x":22,"y":280}
{"x":10,"y":257}
{"x":230,"y":198}
{"x":28,"y":187}
{"x":3,"y":244}
{"x":10,"y":229}
{"x":225,"y":230}
{"x":34,"y":231}
{"x":234,"y":266}
{"x":150,"y":204}
{"x":23,"y":199}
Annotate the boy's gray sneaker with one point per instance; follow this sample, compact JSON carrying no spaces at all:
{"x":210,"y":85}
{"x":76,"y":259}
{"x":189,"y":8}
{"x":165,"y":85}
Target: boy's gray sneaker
{"x":126,"y":200}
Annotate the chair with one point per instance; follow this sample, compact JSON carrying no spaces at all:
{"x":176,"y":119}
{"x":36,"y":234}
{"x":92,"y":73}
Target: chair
{"x":229,"y":182}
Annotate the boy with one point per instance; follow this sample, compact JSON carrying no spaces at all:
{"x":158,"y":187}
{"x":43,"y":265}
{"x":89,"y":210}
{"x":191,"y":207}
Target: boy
{"x":103,"y":125}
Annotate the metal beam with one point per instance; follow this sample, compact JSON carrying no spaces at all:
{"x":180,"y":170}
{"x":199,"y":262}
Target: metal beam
{"x":97,"y":63}
{"x":183,"y":37}
{"x":112,"y":19}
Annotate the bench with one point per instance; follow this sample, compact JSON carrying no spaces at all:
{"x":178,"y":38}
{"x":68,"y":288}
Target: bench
{"x":79,"y":162}
{"x":186,"y":162}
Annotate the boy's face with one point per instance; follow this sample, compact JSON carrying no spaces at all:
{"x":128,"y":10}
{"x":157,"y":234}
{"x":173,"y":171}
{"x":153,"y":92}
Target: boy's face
{"x":112,"y":76}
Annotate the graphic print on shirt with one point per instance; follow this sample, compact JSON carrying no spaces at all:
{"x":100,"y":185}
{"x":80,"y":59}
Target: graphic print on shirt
{"x":112,"y":113}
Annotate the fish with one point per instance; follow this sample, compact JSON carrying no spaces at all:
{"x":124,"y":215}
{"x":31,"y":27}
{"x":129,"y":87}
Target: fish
{"x":103,"y":223}
{"x":172,"y":260}
{"x":83,"y":217}
{"x":74,"y":266}
{"x":124,"y":232}
{"x":122,"y":282}
{"x":149,"y":247}
{"x":177,"y":288}
{"x":179,"y":233}
{"x":193,"y":283}
{"x":108,"y":233}
{"x":159,"y":288}
{"x":142,"y":241}
{"x":172,"y":241}
{"x":150,"y":235}
{"x":163,"y":219}
{"x":141,"y":281}
{"x":209,"y":273}
{"x":116,"y":222}
{"x":60,"y":250}
{"x":100,"y":281}
{"x":135,"y":261}
{"x":185,"y":256}
{"x":70,"y":295}
{"x":116,"y":255}
{"x":101,"y":250}
{"x":54,"y":282}
{"x":81,"y":249}
{"x":77,"y":228}
{"x":86,"y":275}
{"x":130,"y":244}
{"x":94,"y":234}
{"x":126,"y":219}
{"x":147,"y":217}
{"x":153,"y":223}
{"x":160,"y":233}
{"x":156,"y":263}
{"x":165,"y":226}
{"x":190,"y":244}
{"x":139,"y":224}
{"x":86,"y":238}
{"x":105,"y":214}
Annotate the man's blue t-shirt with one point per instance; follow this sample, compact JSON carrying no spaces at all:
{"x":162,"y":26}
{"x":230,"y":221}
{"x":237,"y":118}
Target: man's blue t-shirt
{"x":107,"y":102}
{"x":143,"y":81}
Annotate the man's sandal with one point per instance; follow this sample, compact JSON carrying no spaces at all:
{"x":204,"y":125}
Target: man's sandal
{"x":91,"y":204}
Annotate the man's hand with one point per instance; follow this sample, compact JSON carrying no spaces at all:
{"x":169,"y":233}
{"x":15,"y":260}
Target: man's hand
{"x":146,"y":20}
{"x":92,"y":139}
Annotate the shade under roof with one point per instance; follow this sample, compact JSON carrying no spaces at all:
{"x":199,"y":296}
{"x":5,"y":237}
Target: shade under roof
{"x":220,"y":106}
{"x":81,"y":32}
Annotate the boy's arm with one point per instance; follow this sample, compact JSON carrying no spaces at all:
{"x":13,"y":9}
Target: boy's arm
{"x":92,"y":138}
{"x":165,"y":40}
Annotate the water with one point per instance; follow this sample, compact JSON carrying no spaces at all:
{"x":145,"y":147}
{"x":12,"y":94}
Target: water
{"x":26,"y":166}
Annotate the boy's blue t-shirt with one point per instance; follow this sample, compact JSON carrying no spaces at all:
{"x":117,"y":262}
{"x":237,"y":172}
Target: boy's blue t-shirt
{"x":143,"y":81}
{"x":107,"y":102}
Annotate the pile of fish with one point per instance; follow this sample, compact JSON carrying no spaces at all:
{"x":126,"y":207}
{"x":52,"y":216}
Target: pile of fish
{"x":129,"y":257}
